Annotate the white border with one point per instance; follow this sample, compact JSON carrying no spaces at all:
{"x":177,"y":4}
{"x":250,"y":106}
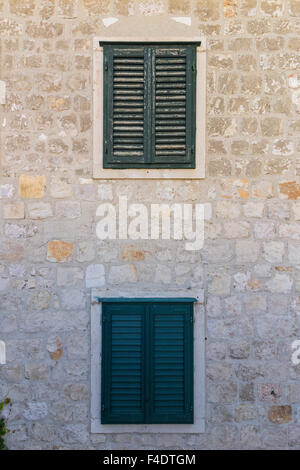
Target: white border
{"x":107,"y":173}
{"x":199,"y":381}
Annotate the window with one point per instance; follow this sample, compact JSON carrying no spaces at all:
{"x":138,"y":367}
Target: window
{"x":149,"y":106}
{"x":147,"y":362}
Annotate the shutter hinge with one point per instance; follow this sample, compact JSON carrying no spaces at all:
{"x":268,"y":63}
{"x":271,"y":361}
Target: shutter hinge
{"x":103,"y":407}
{"x":192,"y":149}
{"x":194,"y":67}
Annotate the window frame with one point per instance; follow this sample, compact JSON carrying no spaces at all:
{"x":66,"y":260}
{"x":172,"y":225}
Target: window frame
{"x":99,"y":172}
{"x":198,"y":375}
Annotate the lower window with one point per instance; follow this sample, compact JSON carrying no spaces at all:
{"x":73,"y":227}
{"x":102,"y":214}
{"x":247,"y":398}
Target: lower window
{"x":147,"y":362}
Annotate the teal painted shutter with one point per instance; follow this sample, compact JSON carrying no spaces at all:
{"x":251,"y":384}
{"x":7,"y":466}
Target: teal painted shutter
{"x":171,"y":363}
{"x":123,"y":363}
{"x":174,"y":106}
{"x":149,"y":106}
{"x":147,"y":363}
{"x":124,"y":105}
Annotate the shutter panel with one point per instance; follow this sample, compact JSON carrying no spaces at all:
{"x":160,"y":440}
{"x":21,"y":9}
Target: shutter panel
{"x":174,"y":112}
{"x":123,"y":363}
{"x":171,"y":363}
{"x":124,"y":105}
{"x":149,"y":106}
{"x":147,"y":363}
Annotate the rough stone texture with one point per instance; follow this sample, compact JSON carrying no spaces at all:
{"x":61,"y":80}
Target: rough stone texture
{"x":59,"y":251}
{"x":248,"y":273}
{"x":32,"y":186}
{"x":280,"y":414}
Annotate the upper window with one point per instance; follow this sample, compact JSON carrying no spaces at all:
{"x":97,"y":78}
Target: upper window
{"x":149,"y":107}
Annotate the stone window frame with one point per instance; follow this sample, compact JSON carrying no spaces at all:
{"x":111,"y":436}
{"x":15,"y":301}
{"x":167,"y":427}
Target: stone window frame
{"x":199,"y":375}
{"x":107,"y":173}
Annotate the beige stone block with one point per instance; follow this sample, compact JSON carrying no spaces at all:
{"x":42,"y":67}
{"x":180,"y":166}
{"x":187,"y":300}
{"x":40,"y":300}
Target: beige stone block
{"x":247,"y":63}
{"x":31,"y":187}
{"x":290,"y":189}
{"x":296,"y":210}
{"x":39,"y":210}
{"x":208,"y":10}
{"x":227,"y":209}
{"x":280,"y":414}
{"x":219,"y":167}
{"x":263,"y":189}
{"x":44,"y":30}
{"x":67,"y":8}
{"x":176,"y":7}
{"x":248,"y":7}
{"x":228,"y":83}
{"x":46,"y":9}
{"x":131,"y":253}
{"x":230,"y":8}
{"x":253,"y":209}
{"x":21,"y":7}
{"x":122,"y":274}
{"x":273,"y":251}
{"x":221,"y":61}
{"x":259,"y":26}
{"x":281,"y":283}
{"x":272,"y":7}
{"x":251,"y":84}
{"x":246,"y":251}
{"x":294,"y":9}
{"x":236,"y":229}
{"x":59,"y":251}
{"x":96,"y":7}
{"x":125,"y":7}
{"x":11,"y":252}
{"x":14,"y":210}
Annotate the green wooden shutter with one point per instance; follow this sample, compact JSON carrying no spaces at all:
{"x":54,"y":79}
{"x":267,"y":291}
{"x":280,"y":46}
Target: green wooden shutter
{"x":149,"y":106}
{"x":123,"y":363}
{"x":174,"y":106}
{"x":147,"y":363}
{"x":171,"y":363}
{"x":124,"y":106}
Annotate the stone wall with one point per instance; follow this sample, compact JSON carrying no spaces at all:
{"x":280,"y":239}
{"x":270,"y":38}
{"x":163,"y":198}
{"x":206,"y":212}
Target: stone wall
{"x":50,"y":257}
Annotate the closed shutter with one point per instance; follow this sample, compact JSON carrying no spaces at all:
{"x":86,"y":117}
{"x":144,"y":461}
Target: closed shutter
{"x":124,"y":105}
{"x":149,"y":106}
{"x":174,"y":105}
{"x":123,"y":363}
{"x":171,"y":363}
{"x":147,"y":363}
